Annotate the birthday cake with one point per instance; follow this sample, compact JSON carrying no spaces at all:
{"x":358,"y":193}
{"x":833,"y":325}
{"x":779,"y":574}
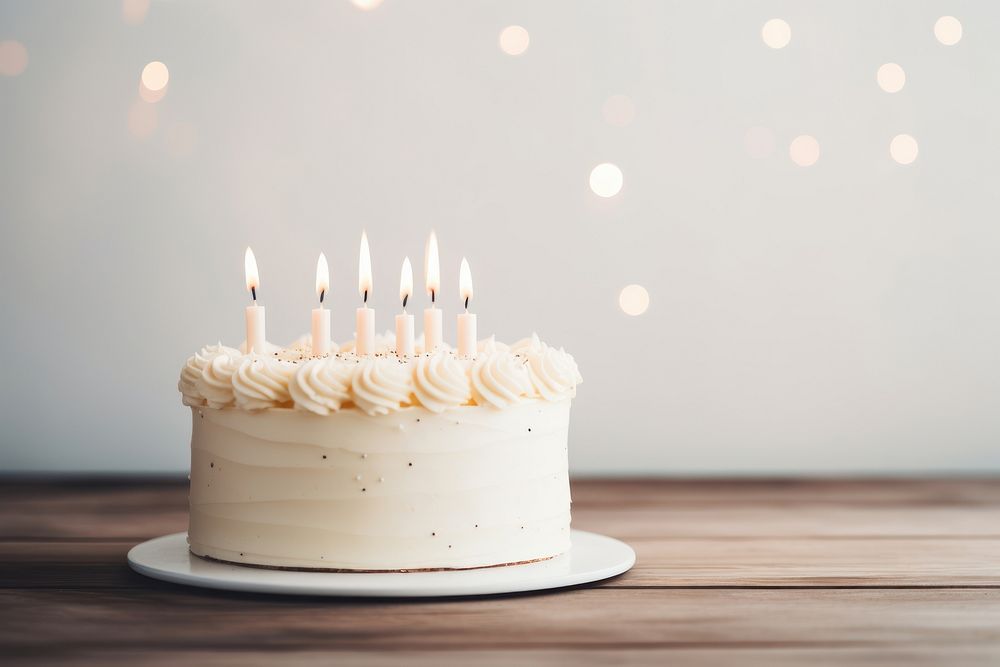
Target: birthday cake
{"x":378,"y":462}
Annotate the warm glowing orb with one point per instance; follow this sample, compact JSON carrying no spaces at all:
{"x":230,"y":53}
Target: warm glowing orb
{"x":514,"y":40}
{"x":804,"y":150}
{"x":634,"y":300}
{"x":776,"y":33}
{"x":606,"y":180}
{"x":155,"y":76}
{"x":891,"y":77}
{"x":903,"y":148}
{"x":948,"y":30}
{"x":366,"y":5}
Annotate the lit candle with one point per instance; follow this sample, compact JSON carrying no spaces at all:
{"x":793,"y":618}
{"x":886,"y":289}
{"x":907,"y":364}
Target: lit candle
{"x":466,"y":320}
{"x":321,"y":316}
{"x":255,"y":314}
{"x":364,"y":342}
{"x":404,"y":321}
{"x":432,"y":316}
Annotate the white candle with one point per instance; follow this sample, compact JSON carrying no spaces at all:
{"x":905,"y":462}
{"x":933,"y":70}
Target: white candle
{"x":432,"y":329}
{"x":466,"y":320}
{"x":256,"y":341}
{"x":364,"y":342}
{"x":321,"y":316}
{"x":432,"y":276}
{"x":404,"y":321}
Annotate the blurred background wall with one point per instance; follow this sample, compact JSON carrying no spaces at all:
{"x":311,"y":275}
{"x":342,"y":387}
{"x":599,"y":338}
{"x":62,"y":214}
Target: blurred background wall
{"x":822,"y":295}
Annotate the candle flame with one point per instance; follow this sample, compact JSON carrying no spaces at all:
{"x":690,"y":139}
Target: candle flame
{"x":322,"y":277}
{"x":432,"y":266}
{"x":250,"y":269}
{"x":406,"y":281}
{"x":465,"y":282}
{"x":364,"y":268}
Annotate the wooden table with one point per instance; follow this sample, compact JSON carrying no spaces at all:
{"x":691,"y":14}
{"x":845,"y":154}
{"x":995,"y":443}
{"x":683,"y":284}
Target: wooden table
{"x":744,"y":572}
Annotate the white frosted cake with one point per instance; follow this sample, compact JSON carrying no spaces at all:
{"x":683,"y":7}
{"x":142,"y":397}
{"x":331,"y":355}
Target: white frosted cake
{"x":377,"y":463}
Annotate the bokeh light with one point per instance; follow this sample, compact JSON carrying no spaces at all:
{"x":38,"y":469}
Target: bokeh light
{"x":366,"y":5}
{"x":776,"y":33}
{"x":155,"y":76}
{"x":142,"y":119}
{"x":891,"y":78}
{"x":514,"y":40}
{"x":606,"y":180}
{"x":618,"y":110}
{"x":134,"y":11}
{"x":634,"y":300}
{"x":903,"y":148}
{"x":759,"y":142}
{"x":13,"y":57}
{"x":804,"y":150}
{"x":948,"y":30}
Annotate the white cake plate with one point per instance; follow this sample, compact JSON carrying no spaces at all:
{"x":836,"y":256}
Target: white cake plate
{"x":593,"y":557}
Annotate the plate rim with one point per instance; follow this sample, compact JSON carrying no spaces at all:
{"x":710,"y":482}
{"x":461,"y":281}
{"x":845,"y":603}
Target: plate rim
{"x":474,"y":582}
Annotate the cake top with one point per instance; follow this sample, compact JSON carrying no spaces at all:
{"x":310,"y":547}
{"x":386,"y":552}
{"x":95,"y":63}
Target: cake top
{"x":499,"y":376}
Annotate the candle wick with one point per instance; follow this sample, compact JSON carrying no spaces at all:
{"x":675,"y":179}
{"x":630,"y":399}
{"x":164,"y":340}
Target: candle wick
{"x":466,"y":303}
{"x":322,"y":293}
{"x":366,"y":296}
{"x":405,"y":297}
{"x":433,"y":295}
{"x":253,"y":292}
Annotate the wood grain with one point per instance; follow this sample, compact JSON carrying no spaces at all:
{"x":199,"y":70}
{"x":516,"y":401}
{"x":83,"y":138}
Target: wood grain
{"x":165,"y":615}
{"x":832,"y":656}
{"x":762,"y":572}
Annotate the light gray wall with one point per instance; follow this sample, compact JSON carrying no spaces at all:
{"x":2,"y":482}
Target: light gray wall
{"x":841,"y":317}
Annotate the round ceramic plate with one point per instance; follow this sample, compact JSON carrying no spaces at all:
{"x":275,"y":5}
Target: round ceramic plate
{"x":592,"y":558}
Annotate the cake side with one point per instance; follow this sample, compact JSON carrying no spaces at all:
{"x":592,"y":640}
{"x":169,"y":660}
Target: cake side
{"x":413,"y":489}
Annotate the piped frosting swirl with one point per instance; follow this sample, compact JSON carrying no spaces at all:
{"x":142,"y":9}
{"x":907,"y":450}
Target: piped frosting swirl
{"x":216,"y":382}
{"x":499,"y":379}
{"x":322,"y":386}
{"x":440,"y":382}
{"x":193,"y":368}
{"x":553,"y":372}
{"x":261,"y":382}
{"x":380,"y":385}
{"x":222,"y":377}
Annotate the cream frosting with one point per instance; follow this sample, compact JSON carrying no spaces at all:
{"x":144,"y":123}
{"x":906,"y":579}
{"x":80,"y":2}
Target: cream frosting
{"x":191,"y":373}
{"x":322,"y":386}
{"x":553,"y":372}
{"x":381,"y":384}
{"x":261,"y":382}
{"x":440,"y":382}
{"x":216,"y":381}
{"x":405,"y":490}
{"x":498,"y":377}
